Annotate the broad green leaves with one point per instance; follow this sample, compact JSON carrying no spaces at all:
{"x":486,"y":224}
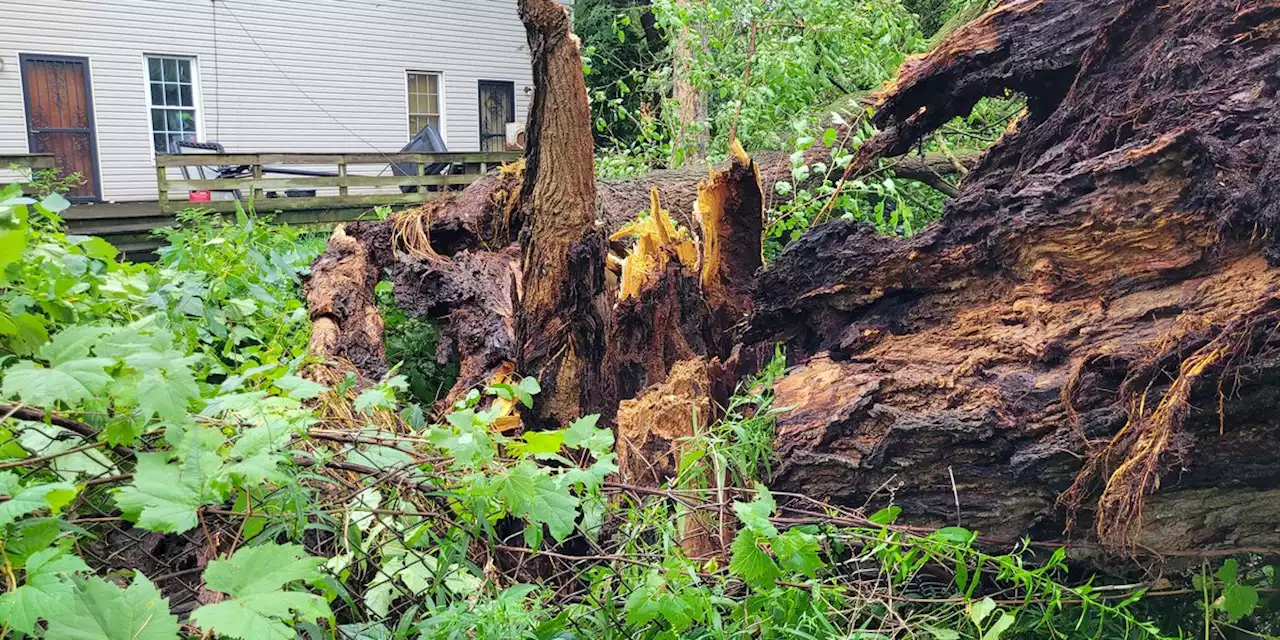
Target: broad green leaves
{"x":144,"y":373}
{"x":48,"y":592}
{"x":584,"y":433}
{"x":32,"y":498}
{"x":678,"y":602}
{"x":751,"y":562}
{"x":13,"y":225}
{"x":755,"y":514}
{"x":531,"y":493}
{"x":165,"y":497}
{"x":798,"y":551}
{"x":69,"y":383}
{"x":260,"y":605}
{"x":104,"y":611}
{"x":1237,"y":600}
{"x":794,"y":550}
{"x":981,"y":610}
{"x":300,"y":388}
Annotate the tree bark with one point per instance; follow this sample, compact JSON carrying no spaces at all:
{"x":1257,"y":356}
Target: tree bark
{"x":1088,"y":336}
{"x":560,"y":321}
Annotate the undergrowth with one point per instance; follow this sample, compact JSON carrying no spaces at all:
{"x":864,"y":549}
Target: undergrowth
{"x":164,"y":474}
{"x":414,"y":342}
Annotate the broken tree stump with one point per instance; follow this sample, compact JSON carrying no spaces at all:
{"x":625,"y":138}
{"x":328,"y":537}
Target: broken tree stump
{"x":561,"y":316}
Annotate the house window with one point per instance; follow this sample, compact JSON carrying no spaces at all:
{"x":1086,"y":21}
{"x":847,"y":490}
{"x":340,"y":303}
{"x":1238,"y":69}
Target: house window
{"x":424,"y":101}
{"x":171,"y":87}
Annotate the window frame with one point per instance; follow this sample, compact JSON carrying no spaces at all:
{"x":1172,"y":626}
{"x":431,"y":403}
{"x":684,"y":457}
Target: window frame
{"x":197,"y":97}
{"x":408,"y":110}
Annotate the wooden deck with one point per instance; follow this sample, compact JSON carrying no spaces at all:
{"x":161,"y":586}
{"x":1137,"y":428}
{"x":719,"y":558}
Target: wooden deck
{"x":337,"y":190}
{"x":129,"y":225}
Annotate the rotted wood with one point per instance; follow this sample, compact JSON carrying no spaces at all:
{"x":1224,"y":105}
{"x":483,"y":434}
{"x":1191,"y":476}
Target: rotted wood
{"x":345,"y":324}
{"x":1086,"y":342}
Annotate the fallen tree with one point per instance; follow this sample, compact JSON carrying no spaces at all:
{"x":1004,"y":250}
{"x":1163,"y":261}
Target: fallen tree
{"x":1083,"y":344}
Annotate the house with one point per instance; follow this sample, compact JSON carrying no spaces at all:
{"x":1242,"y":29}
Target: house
{"x":105,"y":84}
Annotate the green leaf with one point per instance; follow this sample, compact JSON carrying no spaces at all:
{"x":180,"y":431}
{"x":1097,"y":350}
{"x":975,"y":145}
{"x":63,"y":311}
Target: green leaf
{"x":13,"y":242}
{"x":526,"y":390}
{"x":1228,"y":571}
{"x":581,"y":430}
{"x":374,"y":398}
{"x":69,"y":383}
{"x":1238,"y":601}
{"x":537,"y":442}
{"x":72,"y":343}
{"x":1002,"y":625}
{"x":755,"y":514}
{"x":27,"y":537}
{"x":260,"y":607}
{"x":829,"y":136}
{"x":47,"y":593}
{"x":55,"y":202}
{"x":940,"y":633}
{"x":978,"y":611}
{"x":798,"y":551}
{"x":953,"y":534}
{"x":642,"y":608}
{"x":54,"y":441}
{"x":470,"y":445}
{"x":96,"y":247}
{"x":164,"y":497}
{"x":584,"y":433}
{"x":31,"y":333}
{"x":104,"y":611}
{"x":752,"y":563}
{"x":300,"y":388}
{"x":532,"y":493}
{"x":887,"y":515}
{"x":52,"y":496}
{"x":166,"y":393}
{"x":678,"y":611}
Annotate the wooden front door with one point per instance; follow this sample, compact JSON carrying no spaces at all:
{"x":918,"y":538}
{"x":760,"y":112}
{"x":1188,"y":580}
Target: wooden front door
{"x":57,"y":94}
{"x":497,"y":108}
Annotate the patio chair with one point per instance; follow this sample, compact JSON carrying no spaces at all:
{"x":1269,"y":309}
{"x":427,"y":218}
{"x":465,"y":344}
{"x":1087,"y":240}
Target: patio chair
{"x":427,"y":140}
{"x":209,"y":172}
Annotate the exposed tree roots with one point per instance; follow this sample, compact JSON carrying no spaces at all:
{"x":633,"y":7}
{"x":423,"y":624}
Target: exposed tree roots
{"x":1089,"y":335}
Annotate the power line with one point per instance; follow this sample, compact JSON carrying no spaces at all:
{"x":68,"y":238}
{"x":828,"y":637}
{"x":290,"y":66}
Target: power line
{"x":300,"y":90}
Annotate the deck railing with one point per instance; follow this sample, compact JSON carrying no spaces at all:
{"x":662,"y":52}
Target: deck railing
{"x":19,"y":167}
{"x":345,"y":189}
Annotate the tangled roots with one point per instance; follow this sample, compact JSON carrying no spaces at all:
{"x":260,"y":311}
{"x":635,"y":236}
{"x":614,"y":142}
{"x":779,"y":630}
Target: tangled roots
{"x":1152,"y":439}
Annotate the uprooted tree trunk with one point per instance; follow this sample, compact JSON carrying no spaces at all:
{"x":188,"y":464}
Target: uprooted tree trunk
{"x":1088,"y":334}
{"x":1084,"y":344}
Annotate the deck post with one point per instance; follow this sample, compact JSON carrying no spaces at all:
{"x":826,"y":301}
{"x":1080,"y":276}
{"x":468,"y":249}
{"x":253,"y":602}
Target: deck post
{"x":257,"y":175}
{"x":342,"y":177}
{"x":162,"y":186}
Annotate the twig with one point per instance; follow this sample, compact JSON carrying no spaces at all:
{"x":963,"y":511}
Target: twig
{"x":52,"y":456}
{"x":36,"y":415}
{"x":955,"y":493}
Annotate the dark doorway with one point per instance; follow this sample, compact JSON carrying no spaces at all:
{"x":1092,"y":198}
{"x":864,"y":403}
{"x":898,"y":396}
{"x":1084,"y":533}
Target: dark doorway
{"x":497,"y":108}
{"x":59,"y":102}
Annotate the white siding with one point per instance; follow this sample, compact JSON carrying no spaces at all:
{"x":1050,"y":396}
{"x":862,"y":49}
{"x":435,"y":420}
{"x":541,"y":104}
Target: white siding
{"x":273,"y":75}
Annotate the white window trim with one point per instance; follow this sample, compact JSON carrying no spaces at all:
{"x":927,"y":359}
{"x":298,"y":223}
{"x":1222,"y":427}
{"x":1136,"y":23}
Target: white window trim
{"x":197,"y":95}
{"x":444,"y":118}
